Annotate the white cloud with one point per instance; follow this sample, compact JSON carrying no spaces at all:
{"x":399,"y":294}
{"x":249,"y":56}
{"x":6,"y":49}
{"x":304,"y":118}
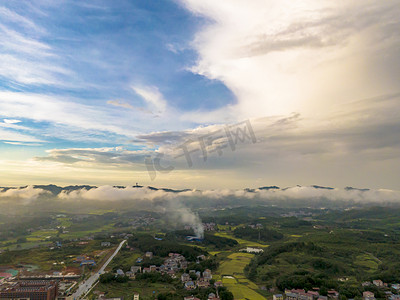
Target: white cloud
{"x":17,"y":19}
{"x":25,"y":194}
{"x":120,"y":104}
{"x":10,"y":135}
{"x":73,"y":119}
{"x":62,"y":111}
{"x":153,"y":97}
{"x":109,"y":193}
{"x":11,"y":121}
{"x":362,"y":138}
{"x":129,"y":106}
{"x":23,"y":144}
{"x":117,"y":156}
{"x":283,"y":56}
{"x":24,"y":58}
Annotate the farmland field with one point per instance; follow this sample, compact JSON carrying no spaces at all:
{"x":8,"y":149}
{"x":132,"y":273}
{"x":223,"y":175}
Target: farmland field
{"x":127,"y":289}
{"x":240,"y":241}
{"x":231,"y":271}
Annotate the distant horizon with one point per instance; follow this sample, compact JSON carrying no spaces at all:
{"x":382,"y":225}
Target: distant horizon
{"x":189,"y":188}
{"x":154,"y":196}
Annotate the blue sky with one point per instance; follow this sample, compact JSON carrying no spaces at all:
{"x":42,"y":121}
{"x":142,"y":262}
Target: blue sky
{"x":98,"y":50}
{"x":91,"y":88}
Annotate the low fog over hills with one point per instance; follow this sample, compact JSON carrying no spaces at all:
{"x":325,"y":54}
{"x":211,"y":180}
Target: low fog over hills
{"x":84,"y":197}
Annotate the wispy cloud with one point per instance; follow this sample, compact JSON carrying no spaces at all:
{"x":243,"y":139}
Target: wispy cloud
{"x":117,"y":156}
{"x":286,"y":145}
{"x":11,"y":121}
{"x":153,"y":97}
{"x":59,"y":110}
{"x":24,"y":58}
{"x":120,"y":104}
{"x":24,"y":144}
{"x":14,"y":136}
{"x":17,"y":19}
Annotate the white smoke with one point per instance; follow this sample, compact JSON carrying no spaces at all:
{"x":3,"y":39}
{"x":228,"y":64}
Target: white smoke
{"x":191,"y":219}
{"x":167,"y":202}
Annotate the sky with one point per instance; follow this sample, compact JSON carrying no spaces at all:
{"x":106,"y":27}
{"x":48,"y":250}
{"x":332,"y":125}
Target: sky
{"x":200,"y":94}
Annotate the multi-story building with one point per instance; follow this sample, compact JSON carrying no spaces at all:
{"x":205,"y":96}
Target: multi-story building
{"x":367,"y":295}
{"x":277,"y":297}
{"x":31,"y":289}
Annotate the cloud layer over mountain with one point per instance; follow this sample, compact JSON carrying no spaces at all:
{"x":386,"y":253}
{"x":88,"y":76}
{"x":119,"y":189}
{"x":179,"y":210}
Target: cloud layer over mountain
{"x":148,"y":196}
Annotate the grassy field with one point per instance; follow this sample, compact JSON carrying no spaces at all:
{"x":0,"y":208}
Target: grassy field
{"x":232,"y":274}
{"x":125,"y":258}
{"x":43,"y":236}
{"x":241,"y":241}
{"x":234,"y":264}
{"x":241,"y":289}
{"x":367,"y":261}
{"x":57,"y":259}
{"x":126,"y":290}
{"x":76,"y":231}
{"x":65,"y":222}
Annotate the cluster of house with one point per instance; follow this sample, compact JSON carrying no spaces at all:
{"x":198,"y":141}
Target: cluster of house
{"x":86,"y":238}
{"x":172,"y":264}
{"x":102,"y":296}
{"x":256,"y":226}
{"x":380,"y":283}
{"x":144,"y":221}
{"x":84,"y":260}
{"x":209,"y":226}
{"x":367,"y":295}
{"x":122,"y":235}
{"x":211,"y":296}
{"x":200,"y":281}
{"x":296,"y":214}
{"x":300,"y":294}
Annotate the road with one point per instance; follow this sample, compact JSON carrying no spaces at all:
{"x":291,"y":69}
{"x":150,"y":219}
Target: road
{"x":86,"y":285}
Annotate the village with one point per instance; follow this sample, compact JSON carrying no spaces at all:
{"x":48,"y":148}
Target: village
{"x":176,"y":264}
{"x":391,"y":292}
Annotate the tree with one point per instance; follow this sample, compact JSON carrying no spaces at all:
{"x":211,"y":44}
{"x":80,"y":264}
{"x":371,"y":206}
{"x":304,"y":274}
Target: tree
{"x":21,"y":240}
{"x":106,"y":277}
{"x":224,"y":294}
{"x":193,"y":276}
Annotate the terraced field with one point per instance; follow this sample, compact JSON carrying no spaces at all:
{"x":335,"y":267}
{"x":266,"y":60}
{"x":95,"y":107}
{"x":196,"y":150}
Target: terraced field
{"x":232,"y":275}
{"x":241,"y":289}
